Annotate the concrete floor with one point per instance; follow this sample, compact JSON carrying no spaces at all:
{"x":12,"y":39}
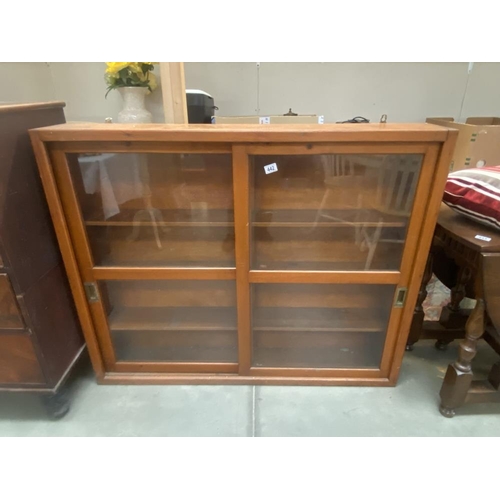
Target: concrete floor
{"x":410,"y":409}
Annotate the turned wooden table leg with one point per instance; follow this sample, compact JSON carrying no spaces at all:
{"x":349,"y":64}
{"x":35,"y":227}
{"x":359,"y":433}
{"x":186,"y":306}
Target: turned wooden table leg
{"x":457,"y":293}
{"x":458,"y":377}
{"x":419,"y":314}
{"x":494,"y":376}
{"x":451,"y":318}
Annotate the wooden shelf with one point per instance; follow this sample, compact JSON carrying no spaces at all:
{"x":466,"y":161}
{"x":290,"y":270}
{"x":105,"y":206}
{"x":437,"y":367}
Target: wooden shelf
{"x":313,"y":357}
{"x":317,"y":319}
{"x":174,"y":346}
{"x":328,"y":251}
{"x":173,"y":318}
{"x":285,"y":319}
{"x":168,"y":247}
{"x":307,"y":218}
{"x":323,"y":265}
{"x":181,"y":264}
{"x":262,"y":218}
{"x":318,"y":350}
{"x":169,"y":218}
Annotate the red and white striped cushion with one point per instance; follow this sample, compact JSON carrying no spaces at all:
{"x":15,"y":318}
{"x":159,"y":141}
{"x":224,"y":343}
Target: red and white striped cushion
{"x":475,"y":193}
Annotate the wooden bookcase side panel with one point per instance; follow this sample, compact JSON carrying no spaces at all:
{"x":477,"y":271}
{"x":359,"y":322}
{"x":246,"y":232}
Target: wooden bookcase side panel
{"x":81,"y":247}
{"x":66,"y":245}
{"x":417,"y":219}
{"x":424,"y":238}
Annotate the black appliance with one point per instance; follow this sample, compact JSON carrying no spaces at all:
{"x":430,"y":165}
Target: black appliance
{"x":200,"y":106}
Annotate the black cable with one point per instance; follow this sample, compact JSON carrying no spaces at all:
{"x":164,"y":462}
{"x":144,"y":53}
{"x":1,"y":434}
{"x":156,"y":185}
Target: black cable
{"x":356,"y":119}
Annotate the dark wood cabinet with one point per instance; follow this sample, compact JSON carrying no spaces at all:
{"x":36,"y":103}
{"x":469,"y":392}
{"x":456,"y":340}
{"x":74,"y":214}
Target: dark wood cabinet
{"x":245,"y":254}
{"x":40,"y":337}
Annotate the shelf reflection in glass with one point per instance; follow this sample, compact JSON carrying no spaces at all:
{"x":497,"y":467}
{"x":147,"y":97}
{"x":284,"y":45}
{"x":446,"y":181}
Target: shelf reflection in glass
{"x":170,"y":210}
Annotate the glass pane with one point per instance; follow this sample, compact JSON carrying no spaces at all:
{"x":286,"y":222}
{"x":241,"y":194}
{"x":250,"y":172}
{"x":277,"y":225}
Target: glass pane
{"x":172,"y":320}
{"x":10,"y":317}
{"x":319,"y":326}
{"x":332,"y":212}
{"x":169,"y":210}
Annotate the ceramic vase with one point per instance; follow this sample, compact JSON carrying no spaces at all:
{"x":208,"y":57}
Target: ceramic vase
{"x":134,"y":108}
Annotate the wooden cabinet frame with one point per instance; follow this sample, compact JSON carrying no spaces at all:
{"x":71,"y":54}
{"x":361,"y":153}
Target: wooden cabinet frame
{"x":52,"y":143}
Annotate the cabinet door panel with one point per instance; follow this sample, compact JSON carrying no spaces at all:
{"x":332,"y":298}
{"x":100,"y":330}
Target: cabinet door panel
{"x":10,"y":316}
{"x":168,"y":210}
{"x":332,"y":212}
{"x":319,"y":326}
{"x":18,"y":361}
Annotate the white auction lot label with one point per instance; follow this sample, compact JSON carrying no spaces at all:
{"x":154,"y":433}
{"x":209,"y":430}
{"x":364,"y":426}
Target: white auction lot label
{"x":480,"y":237}
{"x":272,"y":167}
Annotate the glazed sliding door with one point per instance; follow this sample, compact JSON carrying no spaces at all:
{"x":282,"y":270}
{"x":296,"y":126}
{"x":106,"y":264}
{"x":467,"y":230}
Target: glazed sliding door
{"x":329,"y":254}
{"x":178,"y":321}
{"x":262,"y":260}
{"x":310,"y":325}
{"x":332,"y":212}
{"x":156,"y":210}
{"x":154,"y":237}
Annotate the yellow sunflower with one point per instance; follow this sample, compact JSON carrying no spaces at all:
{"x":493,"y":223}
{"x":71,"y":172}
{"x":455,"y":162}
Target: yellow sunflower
{"x":112,"y":68}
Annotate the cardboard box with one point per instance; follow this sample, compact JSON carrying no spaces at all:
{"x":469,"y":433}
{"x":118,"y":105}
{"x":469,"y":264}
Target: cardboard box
{"x":266,"y":120}
{"x":478,"y":142}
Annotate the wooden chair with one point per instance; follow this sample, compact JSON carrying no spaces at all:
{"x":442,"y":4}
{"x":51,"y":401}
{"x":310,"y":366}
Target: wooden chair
{"x":391,"y":178}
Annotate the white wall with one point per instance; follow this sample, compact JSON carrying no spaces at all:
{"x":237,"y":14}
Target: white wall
{"x":403,"y":91}
{"x":234,"y":86}
{"x":22,"y":82}
{"x":82,"y":87}
{"x":483,"y":92}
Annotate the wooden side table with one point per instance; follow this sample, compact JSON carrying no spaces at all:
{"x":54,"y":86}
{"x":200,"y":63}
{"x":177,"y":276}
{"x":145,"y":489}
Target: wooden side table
{"x":466,"y":256}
